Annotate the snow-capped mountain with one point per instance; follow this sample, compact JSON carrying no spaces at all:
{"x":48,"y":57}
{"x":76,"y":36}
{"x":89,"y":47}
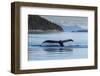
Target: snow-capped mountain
{"x":74,"y":28}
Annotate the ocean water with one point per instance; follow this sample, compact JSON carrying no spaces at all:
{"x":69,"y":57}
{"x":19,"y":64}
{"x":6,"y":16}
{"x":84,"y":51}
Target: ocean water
{"x":71,"y":50}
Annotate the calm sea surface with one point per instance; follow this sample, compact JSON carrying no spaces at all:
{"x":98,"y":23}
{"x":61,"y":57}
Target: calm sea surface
{"x":72,"y":50}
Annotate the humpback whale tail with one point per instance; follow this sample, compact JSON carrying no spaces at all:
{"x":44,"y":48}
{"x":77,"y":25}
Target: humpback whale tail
{"x":60,"y":42}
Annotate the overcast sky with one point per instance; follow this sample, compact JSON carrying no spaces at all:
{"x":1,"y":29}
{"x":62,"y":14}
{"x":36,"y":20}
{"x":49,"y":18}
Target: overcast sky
{"x":68,"y":20}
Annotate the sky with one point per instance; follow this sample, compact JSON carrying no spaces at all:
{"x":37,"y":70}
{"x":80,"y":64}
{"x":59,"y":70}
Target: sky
{"x":68,"y":20}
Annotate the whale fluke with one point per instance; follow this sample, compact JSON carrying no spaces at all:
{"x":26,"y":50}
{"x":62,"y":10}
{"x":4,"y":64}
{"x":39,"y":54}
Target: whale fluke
{"x":60,"y":42}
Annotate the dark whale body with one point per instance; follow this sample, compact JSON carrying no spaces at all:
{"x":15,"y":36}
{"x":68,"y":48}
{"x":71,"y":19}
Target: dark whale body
{"x":60,"y":42}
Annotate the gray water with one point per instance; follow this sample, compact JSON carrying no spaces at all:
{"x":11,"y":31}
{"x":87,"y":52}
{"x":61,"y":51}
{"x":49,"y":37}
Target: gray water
{"x":72,"y":50}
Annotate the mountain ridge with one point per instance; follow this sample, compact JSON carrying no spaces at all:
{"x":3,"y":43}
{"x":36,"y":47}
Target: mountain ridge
{"x":38,"y":24}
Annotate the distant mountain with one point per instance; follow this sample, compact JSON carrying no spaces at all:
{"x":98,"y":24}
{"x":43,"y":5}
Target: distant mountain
{"x":74,"y":28}
{"x":37,"y":24}
{"x":83,"y":30}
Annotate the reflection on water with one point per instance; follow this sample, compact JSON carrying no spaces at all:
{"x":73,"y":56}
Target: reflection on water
{"x":52,"y":53}
{"x":57,"y":49}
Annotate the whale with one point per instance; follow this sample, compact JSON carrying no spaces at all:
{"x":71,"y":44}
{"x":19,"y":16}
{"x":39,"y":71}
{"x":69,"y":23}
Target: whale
{"x":60,"y":42}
